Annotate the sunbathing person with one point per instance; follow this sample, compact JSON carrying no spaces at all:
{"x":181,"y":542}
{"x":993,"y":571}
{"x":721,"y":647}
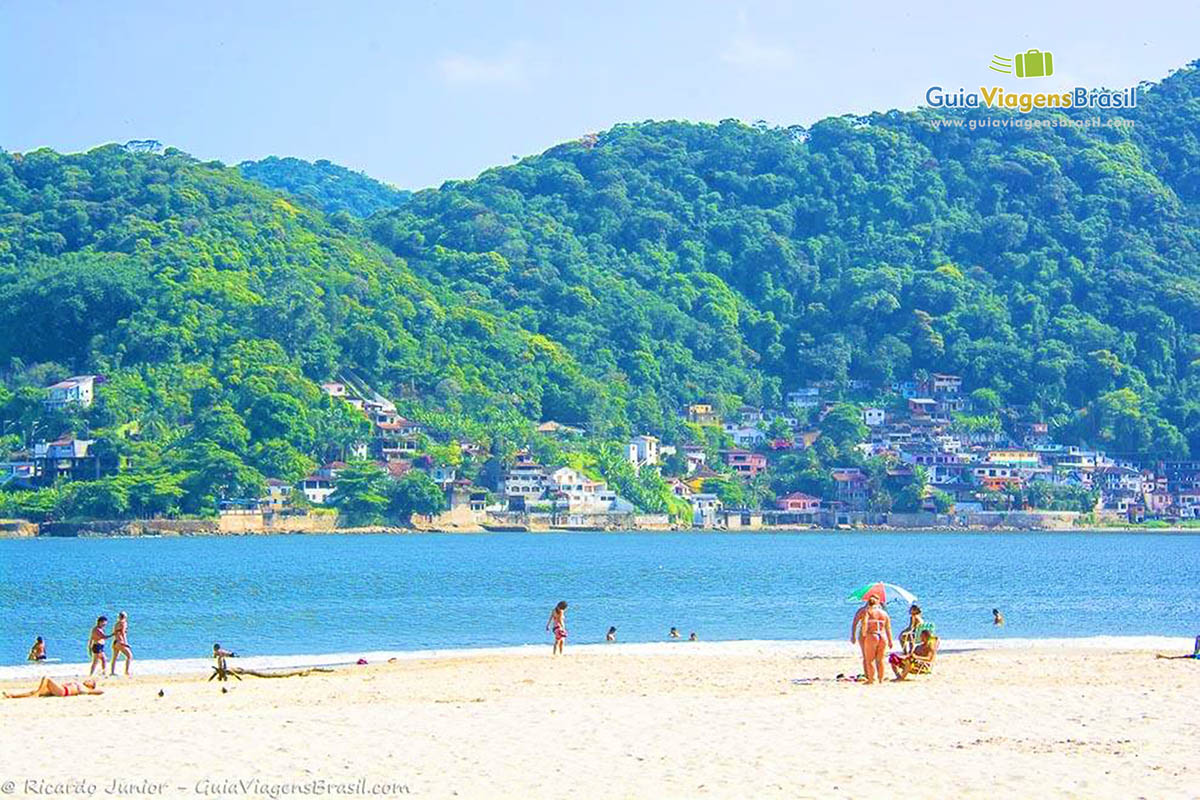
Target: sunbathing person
{"x":51,"y":688}
{"x":919,"y":661}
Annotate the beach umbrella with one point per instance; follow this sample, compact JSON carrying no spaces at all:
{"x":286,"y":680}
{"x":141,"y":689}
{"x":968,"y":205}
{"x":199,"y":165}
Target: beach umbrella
{"x":883,"y":591}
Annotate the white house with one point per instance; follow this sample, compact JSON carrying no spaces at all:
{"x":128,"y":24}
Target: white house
{"x":873,"y":417}
{"x":77,"y":390}
{"x":808,"y":397}
{"x":705,"y":507}
{"x":643,"y":450}
{"x":745,"y":435}
{"x":525,"y":482}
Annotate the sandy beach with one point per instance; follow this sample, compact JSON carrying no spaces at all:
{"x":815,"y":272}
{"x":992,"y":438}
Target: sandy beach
{"x":999,"y":723}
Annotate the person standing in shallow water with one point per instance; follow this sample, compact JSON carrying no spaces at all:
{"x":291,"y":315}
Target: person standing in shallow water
{"x":997,"y":617}
{"x":558,"y":621}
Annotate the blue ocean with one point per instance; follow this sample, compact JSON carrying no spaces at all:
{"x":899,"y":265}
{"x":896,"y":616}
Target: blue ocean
{"x":301,"y":596}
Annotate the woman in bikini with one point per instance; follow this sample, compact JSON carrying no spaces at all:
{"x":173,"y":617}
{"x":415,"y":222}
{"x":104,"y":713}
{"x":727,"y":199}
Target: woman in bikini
{"x":52,"y":688}
{"x":558,"y":621}
{"x":96,"y":645}
{"x":872,"y":627}
{"x":120,"y":644}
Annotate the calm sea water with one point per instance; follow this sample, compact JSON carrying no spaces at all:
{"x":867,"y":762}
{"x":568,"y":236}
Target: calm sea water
{"x":338,"y":594}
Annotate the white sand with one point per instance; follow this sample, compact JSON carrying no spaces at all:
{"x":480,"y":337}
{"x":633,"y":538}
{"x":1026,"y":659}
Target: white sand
{"x":991,"y":723}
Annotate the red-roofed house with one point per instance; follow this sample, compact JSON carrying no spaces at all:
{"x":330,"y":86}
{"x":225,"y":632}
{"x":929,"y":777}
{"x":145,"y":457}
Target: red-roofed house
{"x":745,"y":462}
{"x":798,"y":501}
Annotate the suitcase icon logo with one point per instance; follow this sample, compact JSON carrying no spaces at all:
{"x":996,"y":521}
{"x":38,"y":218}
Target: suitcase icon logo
{"x":1032,"y":63}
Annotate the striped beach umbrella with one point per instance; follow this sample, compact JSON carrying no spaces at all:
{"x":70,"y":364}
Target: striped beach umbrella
{"x":883,"y":591}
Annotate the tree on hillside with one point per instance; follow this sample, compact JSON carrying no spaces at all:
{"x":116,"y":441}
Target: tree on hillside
{"x":361,"y":493}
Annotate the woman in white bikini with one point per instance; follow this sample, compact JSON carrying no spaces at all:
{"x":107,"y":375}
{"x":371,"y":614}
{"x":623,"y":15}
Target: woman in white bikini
{"x":120,"y":643}
{"x":872,"y":628}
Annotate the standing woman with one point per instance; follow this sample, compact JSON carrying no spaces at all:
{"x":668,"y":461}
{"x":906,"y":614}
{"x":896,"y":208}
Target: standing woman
{"x":120,"y":644}
{"x":558,"y":620}
{"x":873,"y":628}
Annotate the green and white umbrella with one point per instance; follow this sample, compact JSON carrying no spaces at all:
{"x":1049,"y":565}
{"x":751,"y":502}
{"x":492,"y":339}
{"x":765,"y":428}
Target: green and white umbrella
{"x":883,"y":591}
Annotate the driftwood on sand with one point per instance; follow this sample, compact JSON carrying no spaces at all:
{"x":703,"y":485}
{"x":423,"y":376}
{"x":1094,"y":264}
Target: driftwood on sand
{"x":294,"y":673}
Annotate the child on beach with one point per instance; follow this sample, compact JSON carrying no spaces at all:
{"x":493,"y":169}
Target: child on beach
{"x":120,"y":644}
{"x":908,"y":636}
{"x":997,"y":617}
{"x":674,"y":634}
{"x":558,"y":621}
{"x":96,"y":645}
{"x":611,"y":636}
{"x":38,"y":651}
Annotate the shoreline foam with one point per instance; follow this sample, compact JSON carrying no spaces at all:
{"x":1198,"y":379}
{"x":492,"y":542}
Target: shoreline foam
{"x":797,"y":648}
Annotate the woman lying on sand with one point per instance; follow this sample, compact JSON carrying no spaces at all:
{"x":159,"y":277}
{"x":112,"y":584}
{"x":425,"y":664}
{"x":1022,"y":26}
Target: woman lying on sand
{"x":51,"y":688}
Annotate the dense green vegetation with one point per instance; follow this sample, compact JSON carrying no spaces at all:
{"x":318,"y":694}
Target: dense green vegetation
{"x":603,"y":284}
{"x":324,"y":185}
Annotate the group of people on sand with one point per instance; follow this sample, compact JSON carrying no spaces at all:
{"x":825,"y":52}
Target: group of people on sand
{"x":95,"y":645}
{"x":871,"y":629}
{"x":120,"y":643}
{"x":558,"y":623}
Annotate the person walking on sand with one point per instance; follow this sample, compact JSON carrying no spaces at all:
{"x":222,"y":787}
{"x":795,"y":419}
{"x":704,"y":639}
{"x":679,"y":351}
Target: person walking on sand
{"x":38,"y":651}
{"x":872,"y":629}
{"x":558,"y":621}
{"x":120,"y":643}
{"x":96,"y":645}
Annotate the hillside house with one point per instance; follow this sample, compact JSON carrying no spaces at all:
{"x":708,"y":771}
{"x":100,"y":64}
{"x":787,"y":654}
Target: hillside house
{"x":642,"y":451}
{"x":65,"y":458}
{"x":850,"y":487}
{"x":78,"y":390}
{"x":705,"y":508}
{"x":873,"y":417}
{"x":921,"y":407}
{"x":525,"y":482}
{"x":334,"y":389}
{"x":799,"y":502}
{"x":278,"y":496}
{"x":808,"y":397}
{"x":745,"y":435}
{"x":744,"y":462}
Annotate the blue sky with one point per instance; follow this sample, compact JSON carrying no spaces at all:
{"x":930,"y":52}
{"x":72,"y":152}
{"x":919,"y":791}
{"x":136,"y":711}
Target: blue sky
{"x":416,"y":93}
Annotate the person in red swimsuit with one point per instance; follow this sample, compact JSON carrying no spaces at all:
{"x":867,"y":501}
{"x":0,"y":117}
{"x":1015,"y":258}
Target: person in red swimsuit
{"x":558,"y":621}
{"x":51,"y":688}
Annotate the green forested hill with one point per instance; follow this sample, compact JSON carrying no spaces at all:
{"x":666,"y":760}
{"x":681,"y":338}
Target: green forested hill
{"x":1059,"y":266}
{"x":610,"y":280}
{"x":327,"y":186}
